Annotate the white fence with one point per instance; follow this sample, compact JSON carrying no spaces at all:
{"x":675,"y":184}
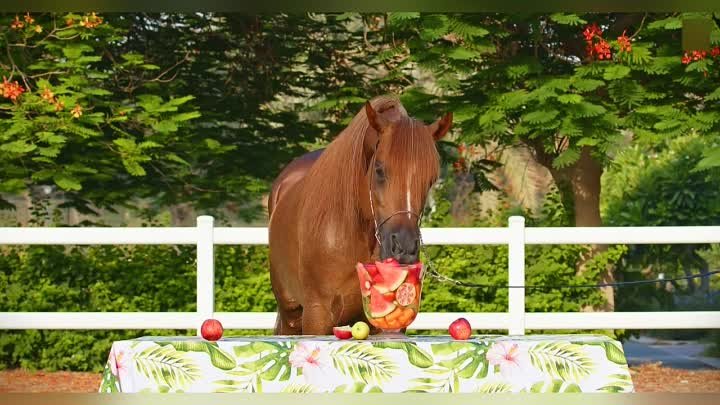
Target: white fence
{"x":516,"y":236}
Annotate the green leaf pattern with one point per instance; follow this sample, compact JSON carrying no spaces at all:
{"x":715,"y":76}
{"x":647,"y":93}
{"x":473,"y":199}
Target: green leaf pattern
{"x":562,"y":360}
{"x":316,"y":364}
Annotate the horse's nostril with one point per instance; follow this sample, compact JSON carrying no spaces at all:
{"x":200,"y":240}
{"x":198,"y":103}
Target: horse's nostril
{"x":395,"y":247}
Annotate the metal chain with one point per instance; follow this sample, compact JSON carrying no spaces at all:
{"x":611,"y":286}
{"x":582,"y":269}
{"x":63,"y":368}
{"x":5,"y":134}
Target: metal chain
{"x":443,"y":278}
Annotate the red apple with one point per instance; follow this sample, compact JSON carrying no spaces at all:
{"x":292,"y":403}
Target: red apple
{"x":211,"y":329}
{"x":342,"y":332}
{"x":460,"y":329}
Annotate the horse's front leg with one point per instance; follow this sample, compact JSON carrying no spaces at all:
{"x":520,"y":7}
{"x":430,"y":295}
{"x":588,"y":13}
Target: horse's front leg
{"x":318,"y":318}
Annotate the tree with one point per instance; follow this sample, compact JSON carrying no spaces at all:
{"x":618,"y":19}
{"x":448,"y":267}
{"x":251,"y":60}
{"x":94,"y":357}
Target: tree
{"x":190,"y":112}
{"x":79,"y":119}
{"x":567,"y":87}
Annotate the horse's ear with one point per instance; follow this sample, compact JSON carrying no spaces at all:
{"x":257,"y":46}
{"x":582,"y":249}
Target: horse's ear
{"x":440,"y":127}
{"x":377,"y":121}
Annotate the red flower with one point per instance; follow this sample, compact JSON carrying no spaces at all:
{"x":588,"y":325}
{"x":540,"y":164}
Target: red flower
{"x":697,"y":55}
{"x":589,"y":49}
{"x":461,"y":148}
{"x":715,"y":52}
{"x":686,"y":59}
{"x":11,"y":90}
{"x":602,"y":49}
{"x":591,"y":31}
{"x":17,"y":24}
{"x":624,"y":43}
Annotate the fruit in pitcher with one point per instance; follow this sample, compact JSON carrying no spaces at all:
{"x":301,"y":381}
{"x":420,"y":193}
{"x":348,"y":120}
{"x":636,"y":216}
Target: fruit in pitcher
{"x":379,"y":306}
{"x":460,"y":329}
{"x":365,"y":280}
{"x":414,"y":273}
{"x":371,"y":269}
{"x":392,"y":277}
{"x":406,"y":294}
{"x":211,"y":329}
{"x":342,"y":332}
{"x":360,"y":330}
{"x":389,"y":296}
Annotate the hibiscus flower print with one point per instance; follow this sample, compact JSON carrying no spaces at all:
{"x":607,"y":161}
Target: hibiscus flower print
{"x":514,"y":362}
{"x":314,"y":362}
{"x":119,"y":363}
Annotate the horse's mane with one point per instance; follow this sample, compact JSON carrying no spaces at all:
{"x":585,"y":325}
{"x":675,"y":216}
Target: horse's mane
{"x":331,"y":185}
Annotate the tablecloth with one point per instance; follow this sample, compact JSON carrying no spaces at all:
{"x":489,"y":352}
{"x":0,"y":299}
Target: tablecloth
{"x":312,"y":364}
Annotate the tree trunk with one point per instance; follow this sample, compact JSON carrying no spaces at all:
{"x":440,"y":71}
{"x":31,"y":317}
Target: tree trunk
{"x":22,"y":209}
{"x":579,"y":186}
{"x":182,"y":215}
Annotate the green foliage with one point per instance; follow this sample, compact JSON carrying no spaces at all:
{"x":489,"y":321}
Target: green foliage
{"x":484,"y":264}
{"x":663,"y":189}
{"x":116,"y":278}
{"x":87,"y":122}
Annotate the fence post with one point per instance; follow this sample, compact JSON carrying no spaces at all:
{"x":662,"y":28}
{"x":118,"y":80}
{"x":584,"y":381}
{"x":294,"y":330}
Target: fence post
{"x":205,"y":269}
{"x":516,"y":276}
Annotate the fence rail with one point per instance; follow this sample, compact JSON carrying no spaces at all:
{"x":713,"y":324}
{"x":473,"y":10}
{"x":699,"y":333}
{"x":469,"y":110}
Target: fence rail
{"x":516,"y":236}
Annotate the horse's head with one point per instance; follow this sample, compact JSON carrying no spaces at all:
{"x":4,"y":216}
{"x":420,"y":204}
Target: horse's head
{"x":402,"y":166}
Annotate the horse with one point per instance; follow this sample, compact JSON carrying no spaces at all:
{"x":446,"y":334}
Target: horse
{"x":357,"y":200}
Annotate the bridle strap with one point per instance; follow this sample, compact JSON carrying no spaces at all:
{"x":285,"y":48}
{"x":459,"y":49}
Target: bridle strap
{"x":370,"y":191}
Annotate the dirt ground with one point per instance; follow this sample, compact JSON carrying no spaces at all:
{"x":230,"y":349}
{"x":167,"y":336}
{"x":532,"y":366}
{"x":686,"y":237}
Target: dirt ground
{"x":647,"y":378}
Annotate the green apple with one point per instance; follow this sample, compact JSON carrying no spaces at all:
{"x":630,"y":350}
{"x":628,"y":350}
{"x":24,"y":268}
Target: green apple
{"x":360,"y":330}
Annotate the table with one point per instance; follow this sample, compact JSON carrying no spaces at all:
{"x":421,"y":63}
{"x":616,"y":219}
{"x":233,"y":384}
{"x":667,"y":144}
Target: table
{"x":311,"y":364}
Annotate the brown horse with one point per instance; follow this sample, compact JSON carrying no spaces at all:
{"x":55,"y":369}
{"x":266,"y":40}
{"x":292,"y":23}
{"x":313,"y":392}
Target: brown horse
{"x":359,"y":199}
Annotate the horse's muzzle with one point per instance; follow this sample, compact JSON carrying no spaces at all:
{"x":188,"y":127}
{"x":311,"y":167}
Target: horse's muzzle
{"x":402,"y":244}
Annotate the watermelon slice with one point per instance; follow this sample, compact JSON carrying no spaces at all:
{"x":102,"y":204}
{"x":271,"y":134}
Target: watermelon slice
{"x":371,"y":268}
{"x":392,"y":276}
{"x":379,"y":306}
{"x":365,"y":279}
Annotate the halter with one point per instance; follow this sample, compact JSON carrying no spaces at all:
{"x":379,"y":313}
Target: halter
{"x":370,"y":191}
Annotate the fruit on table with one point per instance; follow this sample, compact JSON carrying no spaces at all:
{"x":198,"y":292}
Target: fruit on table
{"x":211,"y":329}
{"x":392,"y":276}
{"x":342,"y":332}
{"x":460,"y":329}
{"x":379,"y":305}
{"x":360,"y":330}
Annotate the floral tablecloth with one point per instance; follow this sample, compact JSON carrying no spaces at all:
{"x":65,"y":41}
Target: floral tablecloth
{"x":309,"y":364}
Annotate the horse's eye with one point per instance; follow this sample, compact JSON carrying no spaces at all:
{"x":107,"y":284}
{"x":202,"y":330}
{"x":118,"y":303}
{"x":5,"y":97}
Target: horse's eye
{"x":379,"y":172}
